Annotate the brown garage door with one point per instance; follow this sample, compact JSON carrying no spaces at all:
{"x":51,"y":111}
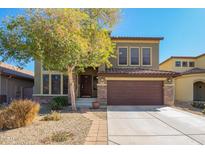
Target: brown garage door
{"x":134,"y":92}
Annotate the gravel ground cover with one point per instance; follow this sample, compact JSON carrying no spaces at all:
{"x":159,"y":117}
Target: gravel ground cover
{"x":74,"y":125}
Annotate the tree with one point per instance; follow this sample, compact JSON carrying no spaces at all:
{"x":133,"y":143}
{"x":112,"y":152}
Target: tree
{"x":62,"y":39}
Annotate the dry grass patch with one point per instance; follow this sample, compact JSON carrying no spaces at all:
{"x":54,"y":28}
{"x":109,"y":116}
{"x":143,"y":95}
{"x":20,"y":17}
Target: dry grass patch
{"x":53,"y":116}
{"x":19,"y":113}
{"x":61,"y":136}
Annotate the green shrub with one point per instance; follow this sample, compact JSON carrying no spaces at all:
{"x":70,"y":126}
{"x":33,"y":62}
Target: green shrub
{"x":199,"y":105}
{"x":57,"y":103}
{"x":203,"y":111}
{"x":61,"y":136}
{"x":19,"y":113}
{"x":54,"y":116}
{"x":1,"y":107}
{"x":61,"y":100}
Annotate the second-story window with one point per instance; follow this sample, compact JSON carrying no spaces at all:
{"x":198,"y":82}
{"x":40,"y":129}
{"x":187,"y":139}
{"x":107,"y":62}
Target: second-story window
{"x":184,"y":64}
{"x":122,"y":56}
{"x":146,"y":56}
{"x":191,"y":64}
{"x":134,"y":56}
{"x":178,"y":64}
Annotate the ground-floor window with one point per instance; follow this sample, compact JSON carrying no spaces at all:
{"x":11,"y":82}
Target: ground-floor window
{"x":55,"y":84}
{"x":65,"y":84}
{"x":45,"y":84}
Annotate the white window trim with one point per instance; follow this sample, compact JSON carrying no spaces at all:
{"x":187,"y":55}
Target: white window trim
{"x":150,"y":56}
{"x":131,"y":57}
{"x":118,"y":55}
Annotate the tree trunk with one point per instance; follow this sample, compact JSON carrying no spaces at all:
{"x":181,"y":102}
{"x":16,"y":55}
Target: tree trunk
{"x":72,"y":89}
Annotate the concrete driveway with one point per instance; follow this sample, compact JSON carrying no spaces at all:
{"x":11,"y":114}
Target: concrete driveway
{"x":154,"y":125}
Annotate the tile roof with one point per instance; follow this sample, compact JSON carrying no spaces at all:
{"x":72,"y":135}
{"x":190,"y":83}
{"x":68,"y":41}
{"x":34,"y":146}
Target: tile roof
{"x":136,"y":38}
{"x":14,"y":71}
{"x":194,"y":71}
{"x":139,"y":72}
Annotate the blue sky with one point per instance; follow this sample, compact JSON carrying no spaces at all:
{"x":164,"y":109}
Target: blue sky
{"x":183,"y":29}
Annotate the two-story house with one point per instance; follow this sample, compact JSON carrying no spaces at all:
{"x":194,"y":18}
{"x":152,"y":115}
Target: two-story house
{"x":190,"y":84}
{"x":133,"y":79}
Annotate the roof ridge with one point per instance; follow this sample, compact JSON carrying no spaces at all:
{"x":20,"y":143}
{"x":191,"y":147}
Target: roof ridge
{"x":136,"y":37}
{"x":203,"y":54}
{"x":193,"y":71}
{"x":14,"y":68}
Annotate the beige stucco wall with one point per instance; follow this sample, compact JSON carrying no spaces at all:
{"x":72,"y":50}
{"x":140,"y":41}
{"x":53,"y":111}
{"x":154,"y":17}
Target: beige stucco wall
{"x":167,"y":65}
{"x":200,"y":62}
{"x":184,"y":86}
{"x":37,"y":78}
{"x":170,"y":64}
{"x":13,"y":88}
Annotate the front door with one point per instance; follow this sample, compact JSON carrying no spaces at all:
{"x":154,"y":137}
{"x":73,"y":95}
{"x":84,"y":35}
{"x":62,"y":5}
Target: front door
{"x":85,"y":85}
{"x":199,"y":91}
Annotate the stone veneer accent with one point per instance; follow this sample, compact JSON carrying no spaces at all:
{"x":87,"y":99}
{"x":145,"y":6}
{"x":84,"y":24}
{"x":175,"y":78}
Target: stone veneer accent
{"x":169,"y":94}
{"x":43,"y":99}
{"x":102,"y":93}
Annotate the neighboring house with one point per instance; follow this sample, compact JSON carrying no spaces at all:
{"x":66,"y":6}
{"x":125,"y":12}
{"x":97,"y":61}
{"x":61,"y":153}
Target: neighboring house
{"x":134,"y":79}
{"x":190,"y":84}
{"x":14,"y":83}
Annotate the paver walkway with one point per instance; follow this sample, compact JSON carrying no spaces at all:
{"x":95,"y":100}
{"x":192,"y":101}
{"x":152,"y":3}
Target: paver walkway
{"x":98,"y":131}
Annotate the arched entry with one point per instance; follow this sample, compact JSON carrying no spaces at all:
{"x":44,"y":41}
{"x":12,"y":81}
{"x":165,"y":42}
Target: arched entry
{"x":199,"y":91}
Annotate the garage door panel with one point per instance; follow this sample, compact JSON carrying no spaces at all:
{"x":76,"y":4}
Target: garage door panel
{"x":135,"y":93}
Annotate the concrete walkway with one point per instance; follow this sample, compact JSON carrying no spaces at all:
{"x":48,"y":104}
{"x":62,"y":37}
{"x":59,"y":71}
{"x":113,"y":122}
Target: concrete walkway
{"x":154,"y":125}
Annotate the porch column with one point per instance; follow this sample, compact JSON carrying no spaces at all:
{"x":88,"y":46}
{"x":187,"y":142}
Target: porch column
{"x":169,"y":94}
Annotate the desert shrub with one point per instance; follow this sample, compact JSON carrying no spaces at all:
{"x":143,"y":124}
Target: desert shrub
{"x":54,"y":116}
{"x":57,"y":103}
{"x":61,"y":100}
{"x":61,"y":136}
{"x":198,"y":105}
{"x":1,"y":107}
{"x":203,"y":111}
{"x":19,"y":113}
